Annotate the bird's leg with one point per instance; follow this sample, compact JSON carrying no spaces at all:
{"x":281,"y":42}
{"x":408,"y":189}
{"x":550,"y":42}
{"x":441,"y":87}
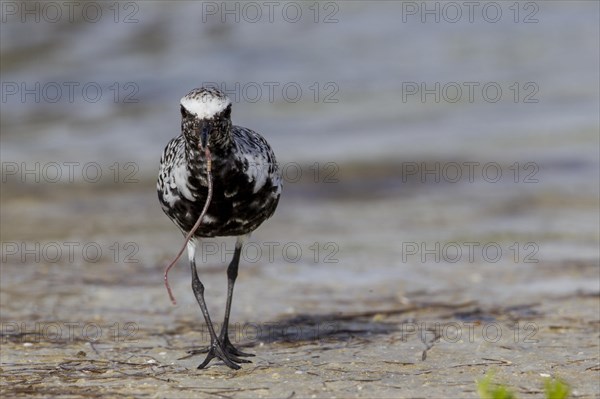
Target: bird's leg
{"x":232,"y":272}
{"x":216,"y":348}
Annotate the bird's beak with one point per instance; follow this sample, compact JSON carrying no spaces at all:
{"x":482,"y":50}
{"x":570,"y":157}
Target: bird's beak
{"x":204,"y":135}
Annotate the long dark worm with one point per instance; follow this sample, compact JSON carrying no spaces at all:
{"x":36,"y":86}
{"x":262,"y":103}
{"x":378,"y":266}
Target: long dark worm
{"x":193,"y":230}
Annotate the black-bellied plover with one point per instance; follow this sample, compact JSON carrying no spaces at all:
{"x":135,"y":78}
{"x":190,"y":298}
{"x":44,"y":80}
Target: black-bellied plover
{"x":246,"y":183}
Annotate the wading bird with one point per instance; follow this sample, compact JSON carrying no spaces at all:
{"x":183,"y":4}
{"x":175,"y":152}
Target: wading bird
{"x":246,"y":185}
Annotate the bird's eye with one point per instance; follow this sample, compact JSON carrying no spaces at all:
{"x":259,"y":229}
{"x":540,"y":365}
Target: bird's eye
{"x":183,"y":111}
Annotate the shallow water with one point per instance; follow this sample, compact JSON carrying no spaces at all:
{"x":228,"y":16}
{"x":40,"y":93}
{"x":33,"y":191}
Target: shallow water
{"x":357,"y":75}
{"x":527,"y":164}
{"x":367,"y":135}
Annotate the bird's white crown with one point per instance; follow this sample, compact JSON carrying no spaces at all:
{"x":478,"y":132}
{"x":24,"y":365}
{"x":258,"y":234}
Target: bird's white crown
{"x":205,"y":103}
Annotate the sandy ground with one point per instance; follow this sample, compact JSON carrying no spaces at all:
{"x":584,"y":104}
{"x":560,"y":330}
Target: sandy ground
{"x":362,"y":316}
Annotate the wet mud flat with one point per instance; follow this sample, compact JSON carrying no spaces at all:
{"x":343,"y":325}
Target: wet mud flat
{"x":359,"y":355}
{"x":359,"y":314}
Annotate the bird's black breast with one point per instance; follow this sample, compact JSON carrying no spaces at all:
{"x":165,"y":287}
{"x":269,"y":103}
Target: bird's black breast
{"x":235,"y":208}
{"x":246,"y":191}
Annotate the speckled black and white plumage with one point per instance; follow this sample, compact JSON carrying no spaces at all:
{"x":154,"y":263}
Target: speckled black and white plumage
{"x":247,"y":185}
{"x":246,"y":178}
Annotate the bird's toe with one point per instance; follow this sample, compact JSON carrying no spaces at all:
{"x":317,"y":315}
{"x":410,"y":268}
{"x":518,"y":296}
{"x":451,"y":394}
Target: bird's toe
{"x":217,"y":350}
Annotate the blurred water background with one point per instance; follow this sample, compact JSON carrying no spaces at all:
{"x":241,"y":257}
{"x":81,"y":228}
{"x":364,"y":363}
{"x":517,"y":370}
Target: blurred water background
{"x":370,"y":54}
{"x":362,"y":88}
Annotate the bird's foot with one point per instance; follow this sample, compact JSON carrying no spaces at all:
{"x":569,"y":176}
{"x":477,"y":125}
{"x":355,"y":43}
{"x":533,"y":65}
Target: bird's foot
{"x":229,"y":349}
{"x":220,"y":351}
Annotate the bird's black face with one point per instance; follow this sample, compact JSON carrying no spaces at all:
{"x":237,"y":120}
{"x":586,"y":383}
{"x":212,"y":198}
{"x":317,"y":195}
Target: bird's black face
{"x":206,"y":118}
{"x":203,"y":132}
